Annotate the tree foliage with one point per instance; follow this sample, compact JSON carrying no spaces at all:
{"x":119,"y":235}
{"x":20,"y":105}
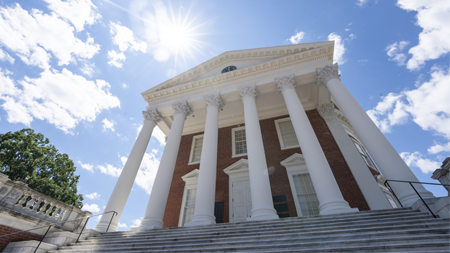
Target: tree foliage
{"x":29,"y":157}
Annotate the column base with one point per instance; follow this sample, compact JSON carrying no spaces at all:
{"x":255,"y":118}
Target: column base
{"x":263,"y":214}
{"x":149,"y":224}
{"x":410,"y":197}
{"x":101,"y":227}
{"x":336,"y":206}
{"x":201,"y":220}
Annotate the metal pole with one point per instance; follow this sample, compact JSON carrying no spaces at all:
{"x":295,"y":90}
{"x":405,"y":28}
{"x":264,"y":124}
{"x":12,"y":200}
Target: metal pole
{"x":422,"y":200}
{"x":390,"y":188}
{"x":42,"y":238}
{"x":83,"y":229}
{"x":114,"y":213}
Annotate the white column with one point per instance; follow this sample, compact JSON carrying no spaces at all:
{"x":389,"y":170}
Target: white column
{"x":206,"y":186}
{"x":126,"y":179}
{"x":327,"y":190}
{"x":262,"y":204}
{"x":385,"y":156}
{"x":156,"y":206}
{"x":372,"y":193}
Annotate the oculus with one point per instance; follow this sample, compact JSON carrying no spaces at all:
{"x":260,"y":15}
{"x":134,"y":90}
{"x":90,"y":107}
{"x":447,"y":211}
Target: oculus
{"x":228,"y":69}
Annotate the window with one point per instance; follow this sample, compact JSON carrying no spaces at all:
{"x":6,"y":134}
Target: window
{"x":363,"y":153}
{"x":286,"y":133}
{"x":196,"y":149}
{"x":239,"y":142}
{"x":189,"y":206}
{"x":228,"y":69}
{"x":307,"y":198}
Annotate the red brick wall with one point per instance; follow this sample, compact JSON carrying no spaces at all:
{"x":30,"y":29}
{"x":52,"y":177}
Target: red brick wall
{"x":277,"y":173}
{"x":25,"y":236}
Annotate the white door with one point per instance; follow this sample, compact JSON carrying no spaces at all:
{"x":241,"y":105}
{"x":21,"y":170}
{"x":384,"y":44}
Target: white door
{"x":241,"y":201}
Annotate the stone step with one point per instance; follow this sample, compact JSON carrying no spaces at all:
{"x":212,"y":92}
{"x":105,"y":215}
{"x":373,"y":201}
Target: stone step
{"x":398,"y":221}
{"x":279,"y":243}
{"x":250,"y":227}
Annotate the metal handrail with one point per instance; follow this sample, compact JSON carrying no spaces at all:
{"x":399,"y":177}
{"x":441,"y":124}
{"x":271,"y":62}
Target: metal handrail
{"x":54,"y":224}
{"x":411,"y":183}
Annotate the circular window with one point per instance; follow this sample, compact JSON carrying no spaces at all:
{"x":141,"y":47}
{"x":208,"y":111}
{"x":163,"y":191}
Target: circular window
{"x":228,"y":69}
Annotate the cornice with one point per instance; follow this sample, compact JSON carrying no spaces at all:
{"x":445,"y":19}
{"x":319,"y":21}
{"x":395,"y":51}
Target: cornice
{"x":276,"y":64}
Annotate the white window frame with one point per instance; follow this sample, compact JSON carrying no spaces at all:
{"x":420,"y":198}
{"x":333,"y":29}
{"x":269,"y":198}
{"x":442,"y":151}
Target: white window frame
{"x":233,"y":131}
{"x":191,"y":180}
{"x":192,"y":149}
{"x":280,"y":138}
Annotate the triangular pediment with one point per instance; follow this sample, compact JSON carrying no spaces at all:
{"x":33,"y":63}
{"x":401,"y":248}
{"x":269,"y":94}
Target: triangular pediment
{"x":293,"y":160}
{"x":240,"y":166}
{"x":191,"y":176}
{"x":248,"y":62}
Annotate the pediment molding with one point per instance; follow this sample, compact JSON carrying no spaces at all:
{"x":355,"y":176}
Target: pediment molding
{"x":191,"y":176}
{"x":180,"y":85}
{"x":240,"y":166}
{"x":293,"y":160}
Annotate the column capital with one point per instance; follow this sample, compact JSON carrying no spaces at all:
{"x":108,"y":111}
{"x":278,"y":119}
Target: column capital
{"x":326,"y":110}
{"x":246,"y":91}
{"x":182,"y":107}
{"x":152,"y":115}
{"x":214,"y":100}
{"x":285,"y":82}
{"x":327,"y":73}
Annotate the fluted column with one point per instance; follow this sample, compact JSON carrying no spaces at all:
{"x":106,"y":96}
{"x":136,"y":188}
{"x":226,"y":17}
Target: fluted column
{"x":126,"y":179}
{"x":262,"y":204}
{"x":206,"y":186}
{"x":372,"y":193}
{"x":158,"y":197}
{"x":327,"y":190}
{"x":385,"y":156}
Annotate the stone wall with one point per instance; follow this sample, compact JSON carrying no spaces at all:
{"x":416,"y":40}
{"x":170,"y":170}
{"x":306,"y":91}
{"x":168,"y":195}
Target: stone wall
{"x":277,"y":175}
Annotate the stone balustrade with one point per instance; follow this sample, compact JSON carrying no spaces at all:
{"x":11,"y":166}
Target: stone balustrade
{"x":18,"y":197}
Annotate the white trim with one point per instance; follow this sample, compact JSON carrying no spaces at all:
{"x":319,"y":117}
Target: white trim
{"x":237,"y":172}
{"x":191,"y":180}
{"x":192,"y":149}
{"x":233,"y":131}
{"x":280,"y":138}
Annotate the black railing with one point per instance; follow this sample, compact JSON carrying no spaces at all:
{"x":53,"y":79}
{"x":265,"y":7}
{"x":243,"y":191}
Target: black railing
{"x":50,"y":226}
{"x":411,"y":183}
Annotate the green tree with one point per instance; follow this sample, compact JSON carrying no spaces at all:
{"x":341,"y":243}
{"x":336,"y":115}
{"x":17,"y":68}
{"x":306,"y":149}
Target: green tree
{"x":28,"y":157}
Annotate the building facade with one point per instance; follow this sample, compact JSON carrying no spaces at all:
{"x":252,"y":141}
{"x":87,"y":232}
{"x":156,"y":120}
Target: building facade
{"x":261,"y":134}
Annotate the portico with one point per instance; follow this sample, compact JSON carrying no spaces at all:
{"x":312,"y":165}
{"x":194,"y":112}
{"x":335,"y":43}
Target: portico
{"x":266,"y":83}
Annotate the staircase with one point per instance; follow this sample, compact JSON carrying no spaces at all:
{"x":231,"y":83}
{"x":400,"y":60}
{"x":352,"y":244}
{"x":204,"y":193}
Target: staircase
{"x":396,"y":230}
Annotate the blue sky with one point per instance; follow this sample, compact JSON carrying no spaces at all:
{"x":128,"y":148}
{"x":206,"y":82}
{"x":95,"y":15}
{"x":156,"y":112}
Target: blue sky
{"x":74,"y":71}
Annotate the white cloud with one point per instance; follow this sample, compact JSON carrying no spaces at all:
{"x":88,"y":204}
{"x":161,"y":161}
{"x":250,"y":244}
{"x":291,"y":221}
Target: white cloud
{"x":93,"y":195}
{"x":78,"y":12}
{"x":125,"y":86}
{"x":363,"y":60}
{"x":93,"y":208}
{"x":147,"y":172}
{"x":159,"y":135}
{"x":361,"y":2}
{"x":433,"y":17}
{"x":394,"y":51}
{"x":108,"y":125}
{"x":295,"y":39}
{"x":88,"y":69}
{"x":33,"y":36}
{"x":439,"y":148}
{"x":4,"y":56}
{"x":124,"y":38}
{"x":339,"y":48}
{"x":347,"y":29}
{"x":109,"y":170}
{"x":351,"y":37}
{"x":116,"y":59}
{"x":87,"y":166}
{"x":122,"y":225}
{"x":52,"y":97}
{"x":415,"y":160}
{"x":136,"y":222}
{"x":427,"y":105}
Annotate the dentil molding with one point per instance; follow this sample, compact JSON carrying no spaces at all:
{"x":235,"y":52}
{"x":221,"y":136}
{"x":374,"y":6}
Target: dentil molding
{"x":153,"y":115}
{"x":327,"y":73}
{"x":214,"y":100}
{"x":326,"y":110}
{"x":182,"y":107}
{"x":285,"y":82}
{"x":248,"y":91}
